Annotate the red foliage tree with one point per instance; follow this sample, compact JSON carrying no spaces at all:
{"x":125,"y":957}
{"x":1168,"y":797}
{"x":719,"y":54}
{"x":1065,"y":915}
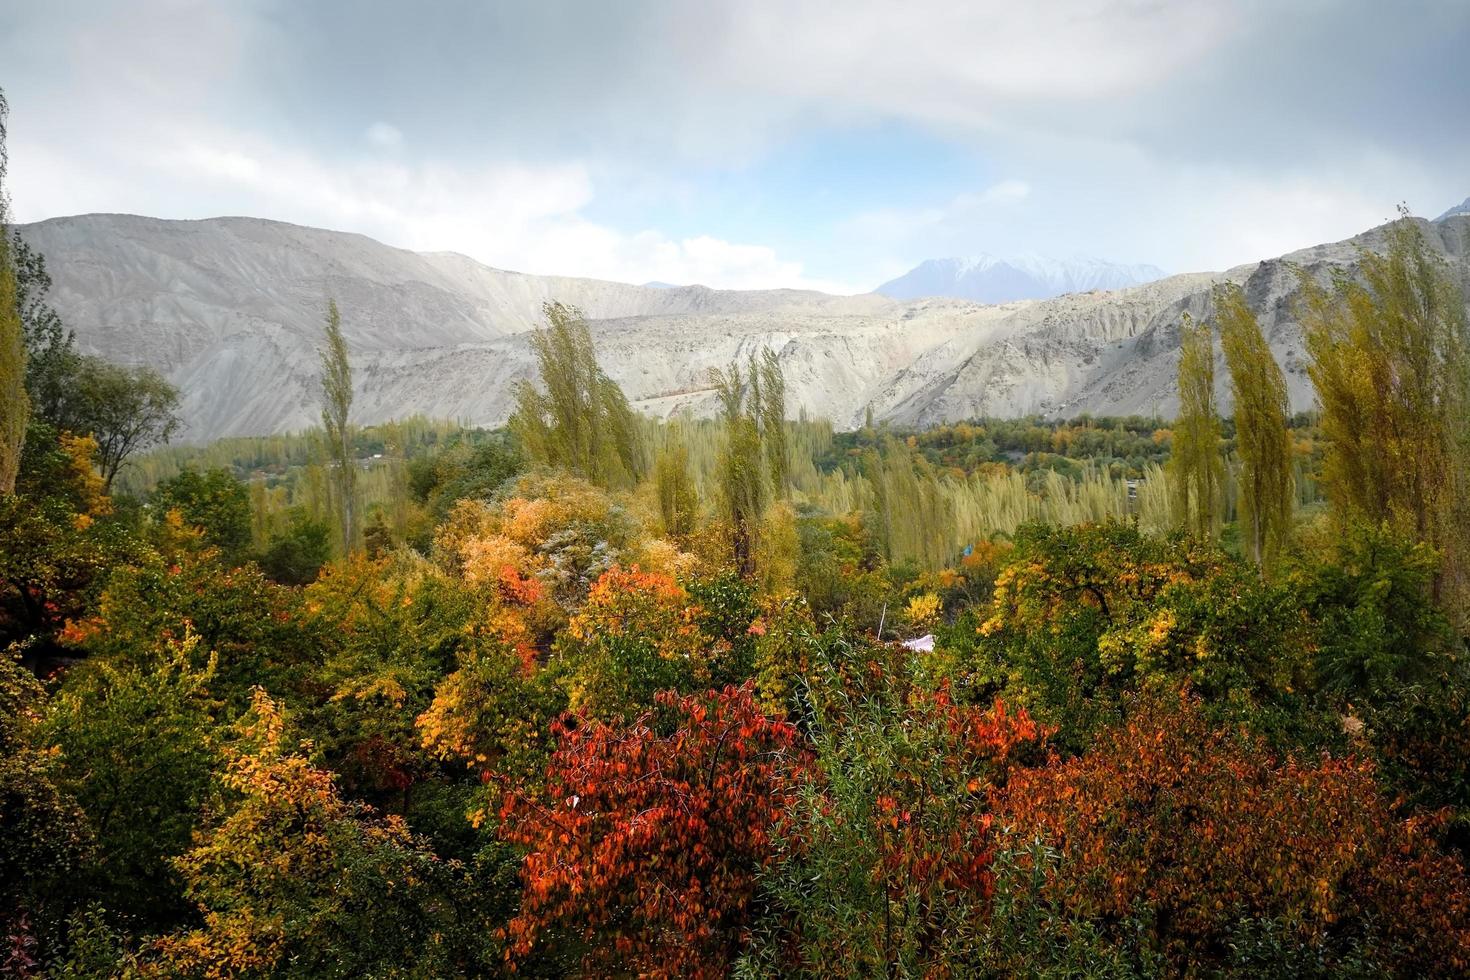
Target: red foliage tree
{"x":648,"y":844}
{"x":1205,"y":828}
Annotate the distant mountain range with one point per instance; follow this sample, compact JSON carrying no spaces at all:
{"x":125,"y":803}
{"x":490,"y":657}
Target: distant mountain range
{"x":997,"y":279}
{"x":1462,"y":208}
{"x":231,"y":310}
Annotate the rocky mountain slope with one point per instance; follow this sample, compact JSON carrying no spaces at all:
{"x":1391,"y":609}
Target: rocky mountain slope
{"x":1462,"y":208}
{"x":231,"y":309}
{"x":993,"y":279}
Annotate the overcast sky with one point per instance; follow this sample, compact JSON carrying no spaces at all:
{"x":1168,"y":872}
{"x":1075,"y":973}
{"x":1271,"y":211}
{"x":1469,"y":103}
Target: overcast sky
{"x":750,"y":143}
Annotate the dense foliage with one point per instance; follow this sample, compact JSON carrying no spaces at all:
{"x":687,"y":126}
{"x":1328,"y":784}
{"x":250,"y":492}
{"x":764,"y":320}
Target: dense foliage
{"x":975,"y":701}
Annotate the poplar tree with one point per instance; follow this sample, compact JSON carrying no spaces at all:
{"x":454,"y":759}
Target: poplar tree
{"x":578,"y":419}
{"x":773,"y":420}
{"x":336,"y":420}
{"x":15,"y":404}
{"x":755,"y":459}
{"x":1198,"y":472}
{"x":1388,"y":357}
{"x":678,"y":503}
{"x":744,"y":486}
{"x":1262,"y":439}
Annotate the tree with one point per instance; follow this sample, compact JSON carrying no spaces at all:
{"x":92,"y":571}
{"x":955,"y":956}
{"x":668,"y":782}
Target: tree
{"x":127,"y":410}
{"x":296,"y":555}
{"x":138,"y":745}
{"x":293,"y":878}
{"x":772,"y":410}
{"x":581,"y":421}
{"x":213,"y":501}
{"x":1261,"y":437}
{"x":646,"y":840}
{"x":883,"y":865}
{"x":1195,"y":834}
{"x":15,"y":403}
{"x":44,"y":831}
{"x":52,"y":360}
{"x":1390,"y":359}
{"x":678,"y":502}
{"x":1197,"y":467}
{"x":636,"y":635}
{"x":1083,"y":616}
{"x":744,"y":484}
{"x":336,"y":420}
{"x":913,"y":519}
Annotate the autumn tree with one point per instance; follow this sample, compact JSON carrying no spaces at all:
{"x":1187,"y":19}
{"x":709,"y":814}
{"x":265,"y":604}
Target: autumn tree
{"x":637,"y":634}
{"x":1197,"y":835}
{"x":1084,"y":616}
{"x":578,"y":418}
{"x":1391,"y":366}
{"x":291,"y":877}
{"x":1197,"y":470}
{"x":647,"y":838}
{"x":336,"y":383}
{"x":15,"y":403}
{"x":1262,"y":439}
{"x":883,"y":864}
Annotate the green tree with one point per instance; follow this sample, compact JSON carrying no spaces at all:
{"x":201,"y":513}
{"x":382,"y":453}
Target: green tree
{"x":578,"y":419}
{"x":744,"y":486}
{"x":296,"y":555}
{"x":678,"y":502}
{"x":772,"y":410}
{"x":52,"y":360}
{"x":913,"y":521}
{"x":15,"y":403}
{"x":127,"y":410}
{"x":138,"y":750}
{"x":336,"y":420}
{"x":213,"y":501}
{"x":1198,"y":469}
{"x":44,"y":834}
{"x":1389,"y":359}
{"x":1261,"y":437}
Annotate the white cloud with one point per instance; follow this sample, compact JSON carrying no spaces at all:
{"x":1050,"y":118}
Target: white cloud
{"x":1146,"y":130}
{"x":507,"y":215}
{"x":897,"y":228}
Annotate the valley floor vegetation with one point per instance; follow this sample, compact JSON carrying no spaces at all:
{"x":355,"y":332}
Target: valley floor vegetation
{"x":599,"y":696}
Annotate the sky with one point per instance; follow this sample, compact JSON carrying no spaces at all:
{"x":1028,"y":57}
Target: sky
{"x":751,"y":143}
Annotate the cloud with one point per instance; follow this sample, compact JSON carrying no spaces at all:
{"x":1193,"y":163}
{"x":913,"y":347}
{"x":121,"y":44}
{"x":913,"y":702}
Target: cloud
{"x":507,"y":215}
{"x":384,"y":135}
{"x":602,"y":139}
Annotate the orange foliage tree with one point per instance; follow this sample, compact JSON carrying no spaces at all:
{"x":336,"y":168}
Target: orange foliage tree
{"x":647,"y":837}
{"x":638,"y":633}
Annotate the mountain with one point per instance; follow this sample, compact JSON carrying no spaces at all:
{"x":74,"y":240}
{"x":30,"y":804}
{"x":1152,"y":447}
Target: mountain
{"x":1463,"y":208}
{"x":992,"y":279}
{"x":231,"y":310}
